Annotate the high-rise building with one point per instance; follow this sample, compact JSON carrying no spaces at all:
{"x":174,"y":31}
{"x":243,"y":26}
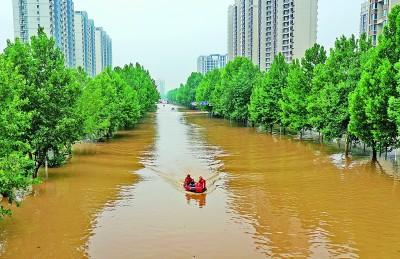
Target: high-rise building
{"x":364,"y":18}
{"x":55,"y":16}
{"x":206,"y":64}
{"x":73,"y":32}
{"x":85,"y":43}
{"x":91,"y":48}
{"x":67,"y":28}
{"x":103,"y":47}
{"x":81,"y":40}
{"x":260,"y":29}
{"x":374,"y":16}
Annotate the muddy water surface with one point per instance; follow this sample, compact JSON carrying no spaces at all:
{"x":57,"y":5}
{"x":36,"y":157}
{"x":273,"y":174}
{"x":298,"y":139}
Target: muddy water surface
{"x":268,"y":197}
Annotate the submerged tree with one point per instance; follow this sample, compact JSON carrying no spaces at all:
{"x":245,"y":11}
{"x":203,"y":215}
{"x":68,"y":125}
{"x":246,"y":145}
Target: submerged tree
{"x":237,"y":82}
{"x":207,"y":86}
{"x":293,"y":104}
{"x":264,"y":108}
{"x":15,"y":167}
{"x":51,"y":93}
{"x":333,"y":83}
{"x":369,"y":103}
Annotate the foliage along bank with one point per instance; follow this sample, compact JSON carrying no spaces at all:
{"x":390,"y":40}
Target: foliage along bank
{"x":353,"y":93}
{"x":45,"y":108}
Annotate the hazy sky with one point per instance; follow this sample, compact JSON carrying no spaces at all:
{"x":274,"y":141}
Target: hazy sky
{"x":167,"y":36}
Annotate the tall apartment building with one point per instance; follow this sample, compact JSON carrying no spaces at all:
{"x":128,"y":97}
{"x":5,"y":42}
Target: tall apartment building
{"x":85,"y":43}
{"x":103,"y":50}
{"x":55,"y":16}
{"x":260,"y":29}
{"x":374,"y":16}
{"x":73,"y":32}
{"x":206,"y":64}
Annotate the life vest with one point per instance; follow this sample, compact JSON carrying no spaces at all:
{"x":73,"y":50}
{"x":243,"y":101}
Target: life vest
{"x":201,"y":185}
{"x":188,"y":180}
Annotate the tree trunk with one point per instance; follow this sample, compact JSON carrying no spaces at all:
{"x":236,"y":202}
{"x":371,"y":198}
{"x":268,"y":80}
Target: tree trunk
{"x":386,"y":153}
{"x":270,"y":129}
{"x":374,"y":153}
{"x":347,"y":146}
{"x":301,"y":134}
{"x":36,"y":170}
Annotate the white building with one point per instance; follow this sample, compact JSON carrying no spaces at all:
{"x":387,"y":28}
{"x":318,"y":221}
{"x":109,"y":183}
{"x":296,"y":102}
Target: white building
{"x":206,"y":64}
{"x":260,"y":29}
{"x":374,"y":16}
{"x":73,"y":32}
{"x":55,"y":16}
{"x":103,"y":50}
{"x":85,"y":43}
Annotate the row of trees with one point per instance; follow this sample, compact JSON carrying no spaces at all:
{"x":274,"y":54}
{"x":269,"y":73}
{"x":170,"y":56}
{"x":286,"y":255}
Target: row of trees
{"x":353,"y":93}
{"x":46,"y":107}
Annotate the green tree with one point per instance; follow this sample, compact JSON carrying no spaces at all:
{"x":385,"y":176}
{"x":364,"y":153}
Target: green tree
{"x":51,"y":93}
{"x":295,"y":94}
{"x":15,"y":167}
{"x":237,"y":82}
{"x":264,"y":106}
{"x":369,"y":116}
{"x":140,"y":80}
{"x":333,"y":83}
{"x":207,"y":86}
{"x":186,"y":93}
{"x":108,"y":103}
{"x":313,"y":57}
{"x":293,"y":104}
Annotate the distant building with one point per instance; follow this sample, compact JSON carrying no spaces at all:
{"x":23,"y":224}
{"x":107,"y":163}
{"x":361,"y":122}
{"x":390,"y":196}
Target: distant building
{"x":91,"y":48}
{"x":260,"y":29}
{"x":55,"y":16}
{"x":364,"y":18}
{"x":82,"y":43}
{"x":85,"y":43}
{"x":374,"y":16}
{"x":161,"y":87}
{"x":103,"y":46}
{"x":206,"y":64}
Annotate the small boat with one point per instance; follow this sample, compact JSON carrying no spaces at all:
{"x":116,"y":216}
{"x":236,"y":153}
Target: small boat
{"x":194,"y":188}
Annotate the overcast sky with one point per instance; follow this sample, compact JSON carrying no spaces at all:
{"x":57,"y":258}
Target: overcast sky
{"x":167,"y":36}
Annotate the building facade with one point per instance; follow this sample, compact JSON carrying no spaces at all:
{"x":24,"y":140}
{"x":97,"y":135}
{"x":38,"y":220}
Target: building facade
{"x":73,"y":32}
{"x":260,"y":29}
{"x":206,"y":64}
{"x":374,"y":16}
{"x":81,"y":40}
{"x":55,"y":16}
{"x":103,"y":50}
{"x":85,"y":43}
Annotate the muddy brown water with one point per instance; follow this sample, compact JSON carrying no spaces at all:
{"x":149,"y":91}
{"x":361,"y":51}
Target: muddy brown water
{"x":268,"y":196}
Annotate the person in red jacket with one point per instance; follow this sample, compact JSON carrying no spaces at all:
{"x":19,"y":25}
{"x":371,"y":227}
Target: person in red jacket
{"x":188,"y":180}
{"x":201,"y":185}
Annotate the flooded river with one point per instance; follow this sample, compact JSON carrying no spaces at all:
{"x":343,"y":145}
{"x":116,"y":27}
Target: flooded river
{"x":268,"y":196}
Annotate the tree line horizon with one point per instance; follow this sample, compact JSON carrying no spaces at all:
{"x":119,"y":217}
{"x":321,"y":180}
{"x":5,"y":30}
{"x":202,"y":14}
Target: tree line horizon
{"x":45,"y":108}
{"x":353,"y":93}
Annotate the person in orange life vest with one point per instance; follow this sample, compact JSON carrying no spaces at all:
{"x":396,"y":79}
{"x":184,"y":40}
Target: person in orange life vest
{"x":201,"y":185}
